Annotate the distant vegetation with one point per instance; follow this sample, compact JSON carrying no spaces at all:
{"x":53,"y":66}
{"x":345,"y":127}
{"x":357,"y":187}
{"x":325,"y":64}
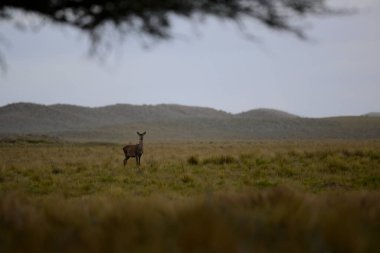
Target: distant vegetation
{"x":373,"y":114}
{"x":261,"y":196}
{"x":118,"y":123}
{"x":29,"y":139}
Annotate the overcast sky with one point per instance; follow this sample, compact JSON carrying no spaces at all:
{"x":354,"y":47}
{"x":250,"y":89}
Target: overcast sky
{"x":213,"y":64}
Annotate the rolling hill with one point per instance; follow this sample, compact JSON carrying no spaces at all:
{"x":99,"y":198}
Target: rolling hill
{"x":167,"y":122}
{"x":264,"y":113}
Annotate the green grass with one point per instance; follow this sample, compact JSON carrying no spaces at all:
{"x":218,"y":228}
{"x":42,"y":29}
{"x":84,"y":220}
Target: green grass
{"x":267,"y":196}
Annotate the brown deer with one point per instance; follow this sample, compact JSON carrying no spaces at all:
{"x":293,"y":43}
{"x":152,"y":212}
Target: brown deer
{"x":134,"y":150}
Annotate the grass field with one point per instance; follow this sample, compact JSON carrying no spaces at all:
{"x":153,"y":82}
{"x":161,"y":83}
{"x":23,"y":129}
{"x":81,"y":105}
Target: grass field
{"x":267,"y":196}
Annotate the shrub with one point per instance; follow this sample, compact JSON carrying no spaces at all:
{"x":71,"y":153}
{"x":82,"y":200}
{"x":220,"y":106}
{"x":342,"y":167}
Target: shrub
{"x":56,"y":171}
{"x":193,"y":160}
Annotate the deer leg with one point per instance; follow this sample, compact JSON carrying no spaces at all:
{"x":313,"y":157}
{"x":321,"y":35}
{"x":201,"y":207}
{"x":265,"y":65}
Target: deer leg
{"x":126,"y":160}
{"x":137,"y":160}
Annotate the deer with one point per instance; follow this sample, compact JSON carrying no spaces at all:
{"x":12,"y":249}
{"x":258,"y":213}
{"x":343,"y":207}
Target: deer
{"x":134,"y":150}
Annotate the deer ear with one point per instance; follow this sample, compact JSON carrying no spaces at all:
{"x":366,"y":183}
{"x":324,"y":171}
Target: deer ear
{"x":144,"y":133}
{"x":138,"y":132}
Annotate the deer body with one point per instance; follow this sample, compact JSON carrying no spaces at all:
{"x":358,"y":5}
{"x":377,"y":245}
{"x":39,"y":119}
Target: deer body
{"x":134,"y":150}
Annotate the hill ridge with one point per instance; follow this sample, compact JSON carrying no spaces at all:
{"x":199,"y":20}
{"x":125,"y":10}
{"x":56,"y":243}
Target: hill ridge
{"x":167,"y":105}
{"x":266,"y":113}
{"x":118,"y":122}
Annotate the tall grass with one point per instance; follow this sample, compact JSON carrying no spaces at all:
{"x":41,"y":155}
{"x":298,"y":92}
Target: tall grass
{"x":273,"y":220}
{"x":309,"y":196}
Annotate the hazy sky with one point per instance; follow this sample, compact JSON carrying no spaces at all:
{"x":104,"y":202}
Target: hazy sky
{"x":213,"y":64}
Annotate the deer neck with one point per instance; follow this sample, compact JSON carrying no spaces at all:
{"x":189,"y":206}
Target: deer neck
{"x":141,"y":145}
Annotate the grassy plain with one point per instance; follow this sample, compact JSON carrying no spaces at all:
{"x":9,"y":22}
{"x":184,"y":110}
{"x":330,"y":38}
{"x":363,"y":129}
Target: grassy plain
{"x":264,"y":196}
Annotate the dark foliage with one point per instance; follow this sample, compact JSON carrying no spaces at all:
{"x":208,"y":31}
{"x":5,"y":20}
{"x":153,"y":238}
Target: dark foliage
{"x":152,"y":18}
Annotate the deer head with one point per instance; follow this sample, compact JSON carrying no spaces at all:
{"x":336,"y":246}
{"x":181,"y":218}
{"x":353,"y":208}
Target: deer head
{"x":141,"y":135}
